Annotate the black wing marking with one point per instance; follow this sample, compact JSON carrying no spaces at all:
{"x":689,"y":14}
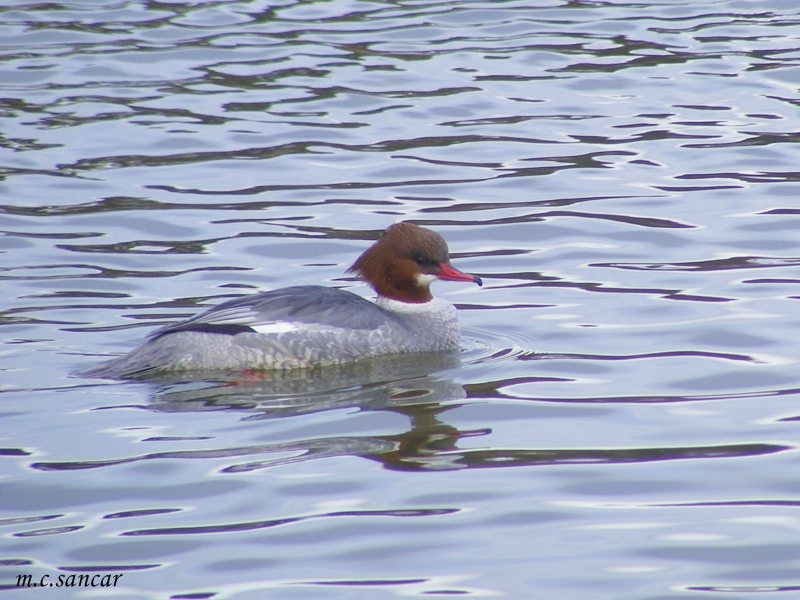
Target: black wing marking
{"x":308,"y":304}
{"x":226,"y":329}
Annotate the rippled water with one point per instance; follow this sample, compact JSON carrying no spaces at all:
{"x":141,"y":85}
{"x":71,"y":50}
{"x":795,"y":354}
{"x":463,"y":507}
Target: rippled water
{"x":623,"y":420}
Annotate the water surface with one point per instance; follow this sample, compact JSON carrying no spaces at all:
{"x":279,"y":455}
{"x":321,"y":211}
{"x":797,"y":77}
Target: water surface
{"x":622,"y":420}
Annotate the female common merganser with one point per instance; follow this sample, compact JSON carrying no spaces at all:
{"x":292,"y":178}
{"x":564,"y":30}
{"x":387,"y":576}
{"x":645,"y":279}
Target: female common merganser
{"x":310,"y":325}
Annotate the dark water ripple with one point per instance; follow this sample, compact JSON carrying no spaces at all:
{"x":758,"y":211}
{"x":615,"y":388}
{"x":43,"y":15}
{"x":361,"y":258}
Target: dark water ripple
{"x":235,"y":527}
{"x":614,"y":171}
{"x":408,"y":453}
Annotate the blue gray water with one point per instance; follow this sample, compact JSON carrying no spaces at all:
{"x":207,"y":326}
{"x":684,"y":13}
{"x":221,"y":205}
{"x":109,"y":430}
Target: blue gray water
{"x":624,"y":418}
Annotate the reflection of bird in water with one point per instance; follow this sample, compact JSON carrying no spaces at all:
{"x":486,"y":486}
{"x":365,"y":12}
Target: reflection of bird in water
{"x":405,"y":384}
{"x":415,"y":386}
{"x":373,"y":384}
{"x":429,"y":445}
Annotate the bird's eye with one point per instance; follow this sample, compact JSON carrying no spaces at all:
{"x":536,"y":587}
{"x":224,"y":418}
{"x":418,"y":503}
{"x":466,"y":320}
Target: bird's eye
{"x":425,"y":262}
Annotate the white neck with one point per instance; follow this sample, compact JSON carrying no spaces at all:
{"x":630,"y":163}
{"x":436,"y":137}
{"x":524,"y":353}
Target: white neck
{"x":432,"y":306}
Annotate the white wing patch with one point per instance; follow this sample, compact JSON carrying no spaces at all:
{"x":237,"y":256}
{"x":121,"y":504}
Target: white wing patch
{"x":274,"y":327}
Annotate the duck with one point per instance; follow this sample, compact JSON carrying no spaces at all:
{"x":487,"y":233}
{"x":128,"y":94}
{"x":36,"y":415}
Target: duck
{"x":310,"y":326}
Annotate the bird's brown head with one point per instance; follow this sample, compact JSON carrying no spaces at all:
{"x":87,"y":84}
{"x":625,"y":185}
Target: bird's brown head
{"x":403,"y":263}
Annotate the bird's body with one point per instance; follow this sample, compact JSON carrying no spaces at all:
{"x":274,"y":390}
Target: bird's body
{"x":309,"y":326}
